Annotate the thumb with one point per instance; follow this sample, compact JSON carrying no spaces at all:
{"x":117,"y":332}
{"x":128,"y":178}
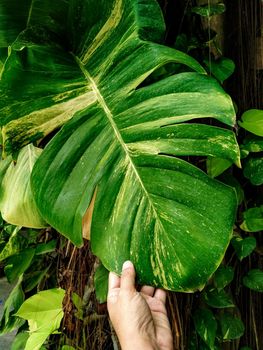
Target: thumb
{"x":128,"y":277}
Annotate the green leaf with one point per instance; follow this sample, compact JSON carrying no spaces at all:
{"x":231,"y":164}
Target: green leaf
{"x":122,"y":137}
{"x":17,"y":204}
{"x":17,"y":264}
{"x":78,"y":303}
{"x":11,"y":26}
{"x":67,"y":347}
{"x":254,"y":280}
{"x":15,"y":243}
{"x":218,"y":298}
{"x":44,"y":312}
{"x":252,"y":120}
{"x":20,"y":340}
{"x":101,"y":283}
{"x":253,"y":219}
{"x":32,"y":279}
{"x":245,"y":348}
{"x":3,"y":57}
{"x":206,"y":326}
{"x":222,"y":68}
{"x":9,"y":322}
{"x":243,"y":247}
{"x":223,"y":276}
{"x":253,"y":144}
{"x":216,"y":166}
{"x":232,"y":327}
{"x":209,"y":10}
{"x":28,"y":13}
{"x":253,"y":170}
{"x":44,"y":248}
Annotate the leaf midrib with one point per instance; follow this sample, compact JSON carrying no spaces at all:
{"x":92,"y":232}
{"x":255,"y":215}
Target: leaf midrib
{"x":109,"y":115}
{"x":30,"y":13}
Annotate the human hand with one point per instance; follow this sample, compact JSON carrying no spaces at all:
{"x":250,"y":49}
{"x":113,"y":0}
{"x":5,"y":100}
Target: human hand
{"x":139,"y":318}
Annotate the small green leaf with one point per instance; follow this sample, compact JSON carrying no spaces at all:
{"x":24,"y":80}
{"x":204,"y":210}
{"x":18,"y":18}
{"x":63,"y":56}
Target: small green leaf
{"x":44,"y":312}
{"x":101,"y":283}
{"x":232,"y":327}
{"x":218,"y":299}
{"x":222,"y":68}
{"x":31,"y":280}
{"x":252,"y":120}
{"x":253,"y":144}
{"x":253,"y":170}
{"x":15,"y":243}
{"x":254,"y":280}
{"x":77,"y":301}
{"x":223,"y":276}
{"x":44,"y":248}
{"x":67,"y":347}
{"x":206,"y":326}
{"x":253,"y":219}
{"x":9,"y":322}
{"x":209,"y":10}
{"x":243,"y":247}
{"x":216,"y":166}
{"x":17,"y":264}
{"x":20,"y":340}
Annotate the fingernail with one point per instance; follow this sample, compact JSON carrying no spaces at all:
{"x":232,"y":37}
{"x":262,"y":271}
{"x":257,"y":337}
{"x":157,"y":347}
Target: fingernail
{"x":127,"y":264}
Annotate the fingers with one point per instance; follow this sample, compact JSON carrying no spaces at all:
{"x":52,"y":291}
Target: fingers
{"x":128,"y":277}
{"x":113,"y":289}
{"x":160,"y":294}
{"x":114,"y":281}
{"x":148,"y":290}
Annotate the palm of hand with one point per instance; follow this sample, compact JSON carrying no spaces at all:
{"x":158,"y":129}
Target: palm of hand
{"x":156,"y":313}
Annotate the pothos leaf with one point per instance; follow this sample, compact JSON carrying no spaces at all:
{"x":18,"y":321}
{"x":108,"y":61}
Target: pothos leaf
{"x":206,"y":326}
{"x":244,"y":247}
{"x":253,"y":170}
{"x":253,"y":219}
{"x":223,"y":276}
{"x":44,"y":313}
{"x":232,"y":326}
{"x":254,"y":280}
{"x":209,"y":10}
{"x":252,"y":120}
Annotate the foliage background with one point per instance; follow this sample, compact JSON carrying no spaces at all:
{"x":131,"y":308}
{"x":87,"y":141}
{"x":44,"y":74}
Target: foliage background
{"x":237,"y":35}
{"x":240,"y":30}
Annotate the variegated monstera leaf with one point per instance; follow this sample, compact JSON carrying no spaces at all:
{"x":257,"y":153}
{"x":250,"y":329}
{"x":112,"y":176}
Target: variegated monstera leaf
{"x":76,"y":75}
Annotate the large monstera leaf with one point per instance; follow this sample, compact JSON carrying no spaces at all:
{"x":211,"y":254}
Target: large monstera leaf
{"x":84,"y":74}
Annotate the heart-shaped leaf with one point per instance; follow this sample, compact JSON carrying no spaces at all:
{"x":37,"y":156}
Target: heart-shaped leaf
{"x":244,"y":247}
{"x":254,"y":280}
{"x":253,"y":219}
{"x":223,"y":276}
{"x":44,"y":313}
{"x":252,"y":120}
{"x":206,"y":326}
{"x":232,"y":326}
{"x":253,"y":170}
